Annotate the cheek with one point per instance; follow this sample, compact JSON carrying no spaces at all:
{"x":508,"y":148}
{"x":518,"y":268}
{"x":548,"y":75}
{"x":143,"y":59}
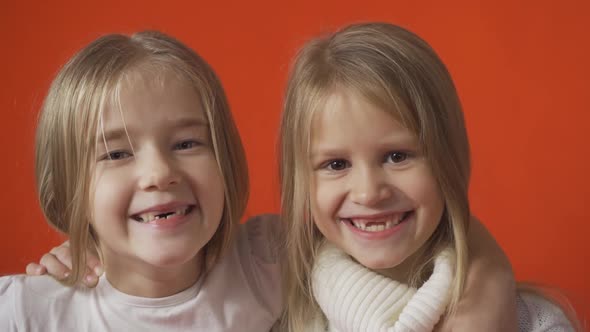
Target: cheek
{"x":425,"y":192}
{"x":207,"y":185}
{"x":111,"y":196}
{"x":325,"y":199}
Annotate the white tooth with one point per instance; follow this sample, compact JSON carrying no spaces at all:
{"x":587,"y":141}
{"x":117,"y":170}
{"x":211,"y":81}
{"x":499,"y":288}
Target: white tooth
{"x":149,"y":217}
{"x":388,"y":224}
{"x":375,"y":228}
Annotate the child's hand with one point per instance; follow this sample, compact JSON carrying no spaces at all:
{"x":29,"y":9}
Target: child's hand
{"x":489,"y":298}
{"x":58,"y":263}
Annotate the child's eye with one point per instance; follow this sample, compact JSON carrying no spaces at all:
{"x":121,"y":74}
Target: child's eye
{"x":336,"y":165}
{"x":116,"y":155}
{"x":396,"y":157}
{"x":186,"y":145}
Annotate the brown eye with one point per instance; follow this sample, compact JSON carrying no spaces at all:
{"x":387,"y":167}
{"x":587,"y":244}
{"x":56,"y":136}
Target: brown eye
{"x":337,"y":165}
{"x":397,"y":157}
{"x":185,"y":145}
{"x":117,"y":155}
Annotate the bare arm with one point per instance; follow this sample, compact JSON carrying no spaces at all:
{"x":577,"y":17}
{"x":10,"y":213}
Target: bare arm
{"x":489,"y":299}
{"x":58,"y":263}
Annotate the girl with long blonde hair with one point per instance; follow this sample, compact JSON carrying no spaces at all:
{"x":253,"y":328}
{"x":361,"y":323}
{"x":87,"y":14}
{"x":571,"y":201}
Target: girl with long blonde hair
{"x":138,"y":159}
{"x":375,"y":171}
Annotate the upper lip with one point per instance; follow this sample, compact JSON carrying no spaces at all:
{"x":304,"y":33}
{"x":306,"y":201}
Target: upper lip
{"x":162,"y":208}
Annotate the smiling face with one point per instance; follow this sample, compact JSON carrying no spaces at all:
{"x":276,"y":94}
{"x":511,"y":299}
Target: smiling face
{"x":158,"y":191}
{"x":373,"y":194}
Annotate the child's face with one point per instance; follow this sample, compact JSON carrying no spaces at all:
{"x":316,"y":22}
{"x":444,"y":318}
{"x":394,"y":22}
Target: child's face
{"x":158,"y":200}
{"x":373,"y":194}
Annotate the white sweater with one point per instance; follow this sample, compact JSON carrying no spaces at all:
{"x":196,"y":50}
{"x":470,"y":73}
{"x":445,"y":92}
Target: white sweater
{"x":354,"y":298}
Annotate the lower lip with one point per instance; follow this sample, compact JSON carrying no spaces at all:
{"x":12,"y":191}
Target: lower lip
{"x":168,"y":223}
{"x":380,"y":234}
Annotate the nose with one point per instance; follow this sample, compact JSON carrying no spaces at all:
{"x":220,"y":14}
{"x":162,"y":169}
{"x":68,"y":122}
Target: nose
{"x":157,"y":171}
{"x":369,"y":186}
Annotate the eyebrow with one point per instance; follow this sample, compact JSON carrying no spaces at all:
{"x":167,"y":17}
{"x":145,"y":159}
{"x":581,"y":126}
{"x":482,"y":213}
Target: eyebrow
{"x":335,"y":151}
{"x":120,"y":132}
{"x":326,"y":152}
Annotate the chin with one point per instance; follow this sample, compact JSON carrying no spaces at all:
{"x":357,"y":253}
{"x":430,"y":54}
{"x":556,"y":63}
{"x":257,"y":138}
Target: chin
{"x":170,"y":260}
{"x":378,"y":262}
{"x":378,"y":265}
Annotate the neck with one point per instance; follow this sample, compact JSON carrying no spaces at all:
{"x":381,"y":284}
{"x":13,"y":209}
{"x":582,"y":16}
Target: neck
{"x":137,"y":279}
{"x":405,"y":271}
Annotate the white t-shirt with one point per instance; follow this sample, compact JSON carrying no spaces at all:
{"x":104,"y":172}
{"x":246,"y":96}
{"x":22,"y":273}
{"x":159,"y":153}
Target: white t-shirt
{"x":241,"y":293}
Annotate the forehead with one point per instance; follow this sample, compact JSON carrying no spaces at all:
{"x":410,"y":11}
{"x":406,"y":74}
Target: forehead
{"x":148,"y":95}
{"x":346,"y":113}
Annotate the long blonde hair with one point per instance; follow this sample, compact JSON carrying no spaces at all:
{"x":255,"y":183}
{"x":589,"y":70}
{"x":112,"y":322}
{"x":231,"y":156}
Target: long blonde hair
{"x":400,"y":73}
{"x":66,"y":133}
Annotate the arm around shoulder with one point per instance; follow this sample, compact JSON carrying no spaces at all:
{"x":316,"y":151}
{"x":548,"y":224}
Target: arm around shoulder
{"x":488,"y":302}
{"x":8,"y":295}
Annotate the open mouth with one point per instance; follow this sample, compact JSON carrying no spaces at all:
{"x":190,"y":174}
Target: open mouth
{"x":148,"y":217}
{"x":380,"y":224}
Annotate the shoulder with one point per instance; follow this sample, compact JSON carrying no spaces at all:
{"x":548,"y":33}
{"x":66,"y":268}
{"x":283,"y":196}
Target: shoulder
{"x":36,"y":290}
{"x":24,"y":286}
{"x":24,"y":298}
{"x":537,"y":313}
{"x":8,"y":284}
{"x":9,"y":291}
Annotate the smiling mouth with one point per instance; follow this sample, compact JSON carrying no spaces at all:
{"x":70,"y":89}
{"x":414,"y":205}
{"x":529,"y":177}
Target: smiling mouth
{"x":380,"y":224}
{"x":159,"y":215}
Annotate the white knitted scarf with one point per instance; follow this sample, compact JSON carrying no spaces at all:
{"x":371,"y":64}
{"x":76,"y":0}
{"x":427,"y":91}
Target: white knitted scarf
{"x":354,"y":298}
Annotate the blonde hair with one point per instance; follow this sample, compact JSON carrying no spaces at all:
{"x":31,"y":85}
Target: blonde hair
{"x":400,"y":73}
{"x":67,"y":127}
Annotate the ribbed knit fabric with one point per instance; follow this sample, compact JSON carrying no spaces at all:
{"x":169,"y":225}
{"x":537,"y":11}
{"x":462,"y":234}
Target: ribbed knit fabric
{"x":354,"y":298}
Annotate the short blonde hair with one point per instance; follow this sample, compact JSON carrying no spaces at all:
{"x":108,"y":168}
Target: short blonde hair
{"x":401,"y":74}
{"x":68,"y":123}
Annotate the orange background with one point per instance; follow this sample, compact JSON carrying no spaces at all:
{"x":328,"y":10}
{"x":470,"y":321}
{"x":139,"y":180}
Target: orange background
{"x":521,"y":69}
